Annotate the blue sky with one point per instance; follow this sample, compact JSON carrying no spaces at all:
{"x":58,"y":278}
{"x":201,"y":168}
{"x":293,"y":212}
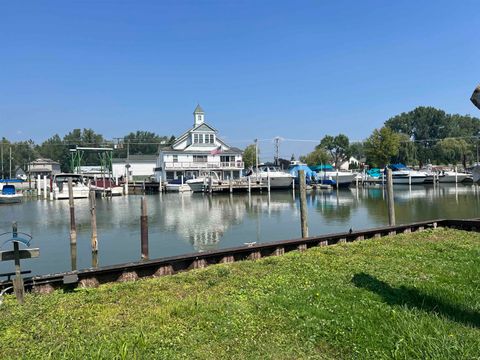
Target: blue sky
{"x":260,"y":69}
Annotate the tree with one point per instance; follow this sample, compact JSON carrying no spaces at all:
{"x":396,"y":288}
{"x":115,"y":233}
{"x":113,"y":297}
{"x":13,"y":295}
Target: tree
{"x":316,"y":157}
{"x":381,"y":146}
{"x":249,"y":156}
{"x":407,"y":151}
{"x":142,"y":143}
{"x":338,"y":147}
{"x":357,"y":150}
{"x":452,"y":151}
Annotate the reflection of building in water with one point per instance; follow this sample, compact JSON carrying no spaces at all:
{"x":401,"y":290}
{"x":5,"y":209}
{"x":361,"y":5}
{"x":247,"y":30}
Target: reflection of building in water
{"x":202,"y":220}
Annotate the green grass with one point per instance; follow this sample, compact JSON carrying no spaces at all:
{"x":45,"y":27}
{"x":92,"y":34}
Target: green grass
{"x":413,"y":296}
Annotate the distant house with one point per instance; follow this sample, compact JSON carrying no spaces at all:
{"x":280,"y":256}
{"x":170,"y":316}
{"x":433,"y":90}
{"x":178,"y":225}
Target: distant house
{"x":197,"y":151}
{"x":136,"y":167}
{"x":346,"y":164}
{"x":43,"y":167}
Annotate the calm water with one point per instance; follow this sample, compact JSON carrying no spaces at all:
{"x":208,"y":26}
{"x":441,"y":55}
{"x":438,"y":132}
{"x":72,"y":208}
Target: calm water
{"x":185,"y":223}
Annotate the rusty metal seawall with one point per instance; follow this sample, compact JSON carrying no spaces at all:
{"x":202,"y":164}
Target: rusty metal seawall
{"x":170,"y":265}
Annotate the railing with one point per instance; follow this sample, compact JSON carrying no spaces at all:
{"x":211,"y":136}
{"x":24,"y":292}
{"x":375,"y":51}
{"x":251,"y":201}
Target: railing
{"x":203,"y":165}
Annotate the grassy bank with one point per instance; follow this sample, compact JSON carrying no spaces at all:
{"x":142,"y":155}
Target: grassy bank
{"x":408,"y":296}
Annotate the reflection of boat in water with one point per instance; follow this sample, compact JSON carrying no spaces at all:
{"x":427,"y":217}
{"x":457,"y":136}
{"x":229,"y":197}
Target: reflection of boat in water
{"x":60,"y":186}
{"x":9,"y":195}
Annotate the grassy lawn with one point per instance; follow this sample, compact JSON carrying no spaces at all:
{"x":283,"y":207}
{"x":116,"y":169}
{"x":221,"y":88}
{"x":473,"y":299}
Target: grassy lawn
{"x":414,"y":296}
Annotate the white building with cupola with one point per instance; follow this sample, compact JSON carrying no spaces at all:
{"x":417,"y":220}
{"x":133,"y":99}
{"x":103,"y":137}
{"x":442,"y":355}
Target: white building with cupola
{"x":197,"y":152}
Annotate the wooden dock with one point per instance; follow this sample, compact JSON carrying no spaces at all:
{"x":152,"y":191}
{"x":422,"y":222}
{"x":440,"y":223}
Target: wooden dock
{"x":167,"y":266}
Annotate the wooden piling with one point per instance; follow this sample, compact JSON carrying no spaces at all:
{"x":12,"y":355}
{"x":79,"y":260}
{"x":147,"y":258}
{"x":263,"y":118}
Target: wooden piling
{"x":73,"y":227}
{"x":93,"y":221}
{"x":390,"y":201}
{"x":303,"y":204}
{"x":45,"y":195}
{"x":18,"y":281}
{"x":144,"y":229}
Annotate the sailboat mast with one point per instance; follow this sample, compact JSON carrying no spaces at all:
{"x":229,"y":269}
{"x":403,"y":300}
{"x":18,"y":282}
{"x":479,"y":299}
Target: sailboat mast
{"x":10,"y":169}
{"x":1,"y":152}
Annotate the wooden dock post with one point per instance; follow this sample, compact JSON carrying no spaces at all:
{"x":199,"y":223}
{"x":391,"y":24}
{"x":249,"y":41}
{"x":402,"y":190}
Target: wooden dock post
{"x":390,"y":202}
{"x":45,"y":195}
{"x":249,"y":185}
{"x":73,"y":227}
{"x":18,"y":281}
{"x":303,"y":204}
{"x":39,"y":189}
{"x":456,"y":175}
{"x":230,"y":185}
{"x":93,"y":221}
{"x":268,"y":181}
{"x":144,"y":229}
{"x":210,"y":184}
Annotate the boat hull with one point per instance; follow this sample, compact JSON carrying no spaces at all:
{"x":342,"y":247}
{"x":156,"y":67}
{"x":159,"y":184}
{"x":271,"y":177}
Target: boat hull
{"x":177,"y":188}
{"x":409,"y":180}
{"x":11,"y":199}
{"x":344,"y":179}
{"x":451,"y":178}
{"x":77,"y":194}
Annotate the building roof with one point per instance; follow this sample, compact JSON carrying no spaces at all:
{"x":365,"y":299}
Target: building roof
{"x":198,"y":109}
{"x":44,"y":161}
{"x":230,"y":151}
{"x":136,"y":158}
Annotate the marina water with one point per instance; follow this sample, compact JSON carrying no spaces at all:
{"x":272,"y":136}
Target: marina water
{"x":186,"y":223}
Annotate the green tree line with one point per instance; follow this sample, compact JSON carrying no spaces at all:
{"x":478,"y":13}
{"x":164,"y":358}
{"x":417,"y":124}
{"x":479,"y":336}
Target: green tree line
{"x":58,"y":149}
{"x":425,"y":135}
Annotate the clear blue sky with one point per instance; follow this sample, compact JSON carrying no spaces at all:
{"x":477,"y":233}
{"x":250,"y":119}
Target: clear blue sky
{"x":298,"y":69}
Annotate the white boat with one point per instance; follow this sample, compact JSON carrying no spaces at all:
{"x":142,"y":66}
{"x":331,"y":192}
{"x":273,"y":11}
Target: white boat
{"x":278,"y":178}
{"x":177,"y":185}
{"x":201,"y":183}
{"x":106,"y":186}
{"x":453,"y":177}
{"x":401,"y":175}
{"x":60,"y":186}
{"x":9,"y":195}
{"x":327,"y":175}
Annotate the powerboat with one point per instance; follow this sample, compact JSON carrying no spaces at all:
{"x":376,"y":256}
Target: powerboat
{"x":278,"y":178}
{"x":177,"y":185}
{"x":59,"y":186}
{"x":201,"y":183}
{"x":9,"y":195}
{"x":327,"y":175}
{"x":402,"y":175}
{"x":453,"y":177}
{"x":106,"y":185}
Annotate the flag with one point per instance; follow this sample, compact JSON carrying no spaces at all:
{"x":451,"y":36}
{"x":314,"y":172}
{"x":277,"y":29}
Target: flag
{"x":216,"y":151}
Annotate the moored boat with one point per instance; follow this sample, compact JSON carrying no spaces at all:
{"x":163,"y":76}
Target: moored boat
{"x":278,"y":179}
{"x":453,"y":177}
{"x":59,"y":186}
{"x":9,"y":195}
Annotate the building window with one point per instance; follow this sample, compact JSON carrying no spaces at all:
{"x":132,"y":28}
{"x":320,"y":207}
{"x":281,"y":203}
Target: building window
{"x":211,"y":139}
{"x":226,"y":158}
{"x":196,"y":138}
{"x":175,"y":158}
{"x":201,"y":138}
{"x":200,"y":158}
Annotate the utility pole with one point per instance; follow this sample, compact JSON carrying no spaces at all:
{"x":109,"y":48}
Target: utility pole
{"x":1,"y":152}
{"x":10,"y":168}
{"x":277,"y":149}
{"x":256,"y":155}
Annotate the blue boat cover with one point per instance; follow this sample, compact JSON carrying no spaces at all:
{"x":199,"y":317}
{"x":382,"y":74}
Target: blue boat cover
{"x":8,"y":190}
{"x":318,"y":168}
{"x":397,"y":167}
{"x":294,"y":169}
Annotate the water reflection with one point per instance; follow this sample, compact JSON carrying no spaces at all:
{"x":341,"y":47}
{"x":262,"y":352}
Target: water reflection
{"x":183,"y":223}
